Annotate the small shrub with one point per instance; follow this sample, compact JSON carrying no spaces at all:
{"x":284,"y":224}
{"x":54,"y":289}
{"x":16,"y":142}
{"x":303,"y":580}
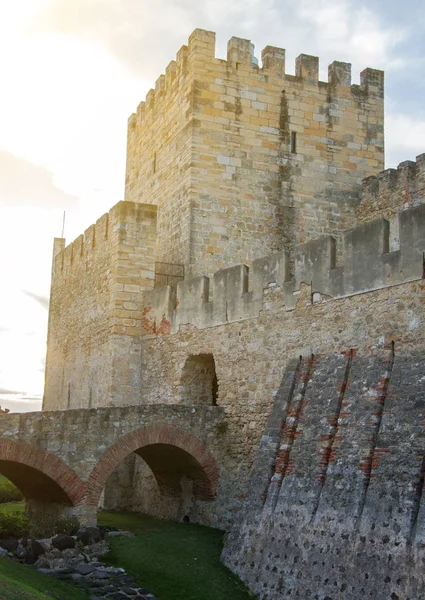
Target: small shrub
{"x":9,"y":492}
{"x":14,"y":525}
{"x":47,"y":524}
{"x":69,"y":525}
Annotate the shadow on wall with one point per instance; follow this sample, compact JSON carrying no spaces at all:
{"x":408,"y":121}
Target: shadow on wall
{"x":160,"y":480}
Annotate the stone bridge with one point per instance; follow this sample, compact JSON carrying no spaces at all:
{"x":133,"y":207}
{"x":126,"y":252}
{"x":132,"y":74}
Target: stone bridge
{"x":61,"y":460}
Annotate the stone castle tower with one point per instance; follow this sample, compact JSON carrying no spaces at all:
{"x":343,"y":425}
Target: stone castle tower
{"x":226,"y":163}
{"x":243,"y":161}
{"x":256,"y":305}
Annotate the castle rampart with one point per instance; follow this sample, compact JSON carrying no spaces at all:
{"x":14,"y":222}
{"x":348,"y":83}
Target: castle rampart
{"x":245,"y":161}
{"x":237,"y":293}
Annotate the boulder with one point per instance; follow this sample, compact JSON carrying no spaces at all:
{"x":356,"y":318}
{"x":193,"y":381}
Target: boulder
{"x":61,"y":541}
{"x":34,"y":551}
{"x":9,"y":545}
{"x":89,"y":535}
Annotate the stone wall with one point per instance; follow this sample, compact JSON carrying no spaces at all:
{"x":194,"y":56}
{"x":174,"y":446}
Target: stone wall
{"x":159,"y":147}
{"x":93,"y":350}
{"x":244,"y":161}
{"x":334,"y":508}
{"x":251,"y":355}
{"x":390,"y":192}
{"x":238,"y":293}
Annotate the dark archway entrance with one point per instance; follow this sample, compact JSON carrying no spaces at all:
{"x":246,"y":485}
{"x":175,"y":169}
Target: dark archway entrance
{"x":199,"y":381}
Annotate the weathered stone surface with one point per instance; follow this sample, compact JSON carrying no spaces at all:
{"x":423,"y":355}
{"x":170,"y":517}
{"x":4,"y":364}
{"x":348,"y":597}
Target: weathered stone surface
{"x":342,"y":516}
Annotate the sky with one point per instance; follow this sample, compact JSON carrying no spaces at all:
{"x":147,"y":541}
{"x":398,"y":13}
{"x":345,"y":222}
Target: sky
{"x":72,"y":71}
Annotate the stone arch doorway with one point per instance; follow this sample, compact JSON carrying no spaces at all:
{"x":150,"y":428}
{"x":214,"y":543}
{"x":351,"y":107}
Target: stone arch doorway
{"x":175,"y":467}
{"x":48,"y":485}
{"x":199,"y":383}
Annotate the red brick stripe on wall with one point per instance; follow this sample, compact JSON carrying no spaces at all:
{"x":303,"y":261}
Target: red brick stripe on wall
{"x":46,"y":463}
{"x":156,"y":434}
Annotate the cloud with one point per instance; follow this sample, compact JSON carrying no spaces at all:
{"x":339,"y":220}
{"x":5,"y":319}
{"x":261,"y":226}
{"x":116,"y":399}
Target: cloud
{"x":23,"y":183}
{"x":146,"y":35}
{"x":405,"y":138}
{"x":10,"y":392}
{"x":20,"y":403}
{"x":42,"y":300}
{"x":143,"y":32}
{"x":353,"y":32}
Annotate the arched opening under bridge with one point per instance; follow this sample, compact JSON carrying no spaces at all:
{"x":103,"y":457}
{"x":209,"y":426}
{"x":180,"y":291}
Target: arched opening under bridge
{"x":157,"y":470}
{"x":49,"y":486}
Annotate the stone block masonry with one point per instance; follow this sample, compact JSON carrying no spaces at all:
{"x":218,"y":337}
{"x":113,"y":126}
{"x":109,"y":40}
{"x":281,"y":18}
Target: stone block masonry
{"x":245,"y":161}
{"x":238,"y":293}
{"x":390,"y":192}
{"x":95,"y":310}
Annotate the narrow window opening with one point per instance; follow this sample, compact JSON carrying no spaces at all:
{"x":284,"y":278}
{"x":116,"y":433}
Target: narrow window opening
{"x":154,"y":163}
{"x":293,"y":142}
{"x":214,"y":390}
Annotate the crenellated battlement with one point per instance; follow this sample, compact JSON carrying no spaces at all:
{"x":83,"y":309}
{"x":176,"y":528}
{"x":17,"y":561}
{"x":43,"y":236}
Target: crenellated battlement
{"x":408,"y":172}
{"x":237,"y":293}
{"x":175,"y":74}
{"x":66,"y":257}
{"x":102,"y":238}
{"x":192,"y":60}
{"x":393,"y":190}
{"x":240,"y":157}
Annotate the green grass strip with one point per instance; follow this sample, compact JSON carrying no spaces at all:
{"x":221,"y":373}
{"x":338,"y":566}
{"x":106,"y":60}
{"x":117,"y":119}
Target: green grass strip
{"x":176,"y":561}
{"x":20,"y":582}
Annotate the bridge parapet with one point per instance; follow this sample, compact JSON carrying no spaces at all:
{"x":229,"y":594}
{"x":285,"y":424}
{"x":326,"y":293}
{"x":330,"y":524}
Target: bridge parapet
{"x":80,"y":437}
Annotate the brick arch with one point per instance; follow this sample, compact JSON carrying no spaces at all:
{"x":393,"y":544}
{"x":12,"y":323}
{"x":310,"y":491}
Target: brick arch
{"x":151,"y":440}
{"x":39,"y":474}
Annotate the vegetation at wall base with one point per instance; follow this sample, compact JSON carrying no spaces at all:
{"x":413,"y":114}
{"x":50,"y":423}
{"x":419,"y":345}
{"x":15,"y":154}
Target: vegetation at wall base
{"x":14,"y":525}
{"x":176,"y":561}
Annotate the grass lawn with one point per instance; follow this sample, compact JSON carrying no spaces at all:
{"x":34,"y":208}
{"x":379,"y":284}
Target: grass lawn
{"x":176,"y":561}
{"x":8,"y":492}
{"x":19,"y":582}
{"x":12,"y":507}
